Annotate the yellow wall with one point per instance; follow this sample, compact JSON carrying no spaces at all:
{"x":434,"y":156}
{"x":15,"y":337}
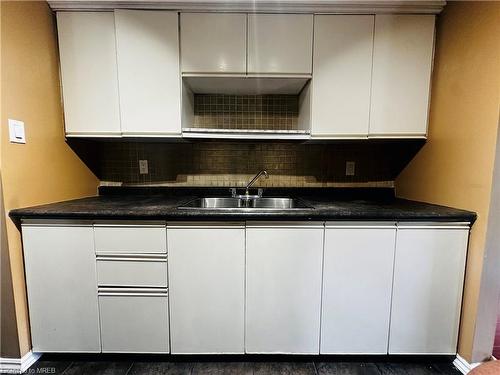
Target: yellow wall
{"x":455,"y":166}
{"x":44,"y":169}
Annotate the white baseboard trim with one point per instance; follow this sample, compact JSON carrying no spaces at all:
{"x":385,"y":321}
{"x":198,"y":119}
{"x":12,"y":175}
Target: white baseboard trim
{"x":18,"y":365}
{"x":463,"y":366}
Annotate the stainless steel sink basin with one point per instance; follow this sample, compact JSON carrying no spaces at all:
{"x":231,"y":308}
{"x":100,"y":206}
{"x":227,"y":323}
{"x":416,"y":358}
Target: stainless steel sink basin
{"x":283,"y":203}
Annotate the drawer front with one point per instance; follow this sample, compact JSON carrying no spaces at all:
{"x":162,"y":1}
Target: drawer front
{"x":128,"y":239}
{"x":134,"y":323}
{"x":132,"y":272}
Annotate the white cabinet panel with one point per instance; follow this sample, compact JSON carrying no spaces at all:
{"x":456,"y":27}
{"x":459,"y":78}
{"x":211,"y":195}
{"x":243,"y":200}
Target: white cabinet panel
{"x":134,"y":323}
{"x":127,"y":239}
{"x":89,"y":74}
{"x":280,"y":43}
{"x":207,"y":288}
{"x":132,"y":272}
{"x":357,"y":285}
{"x":428,"y":282}
{"x":213,"y":42}
{"x":402,"y":64}
{"x":343,"y":47}
{"x":147,"y":45}
{"x":62,"y":290}
{"x":283,"y":289}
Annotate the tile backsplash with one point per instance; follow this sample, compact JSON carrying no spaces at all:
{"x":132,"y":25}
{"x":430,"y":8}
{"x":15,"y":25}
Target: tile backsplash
{"x":272,"y":112}
{"x":212,"y":163}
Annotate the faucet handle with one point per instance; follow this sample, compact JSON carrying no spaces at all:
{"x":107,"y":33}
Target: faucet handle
{"x":233,"y":192}
{"x":259,"y":192}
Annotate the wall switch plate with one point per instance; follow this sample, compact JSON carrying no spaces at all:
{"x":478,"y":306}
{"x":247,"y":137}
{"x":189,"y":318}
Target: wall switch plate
{"x":16,"y":131}
{"x":350,"y":168}
{"x":143,"y":167}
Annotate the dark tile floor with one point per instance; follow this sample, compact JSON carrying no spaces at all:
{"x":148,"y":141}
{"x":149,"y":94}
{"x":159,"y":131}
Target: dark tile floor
{"x":240,"y":365}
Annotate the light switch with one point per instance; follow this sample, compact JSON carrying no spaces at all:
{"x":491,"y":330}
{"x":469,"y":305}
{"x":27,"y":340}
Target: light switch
{"x":16,"y":131}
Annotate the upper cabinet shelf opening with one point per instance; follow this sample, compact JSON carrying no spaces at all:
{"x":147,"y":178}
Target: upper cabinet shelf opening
{"x":148,"y":73}
{"x":245,"y":85}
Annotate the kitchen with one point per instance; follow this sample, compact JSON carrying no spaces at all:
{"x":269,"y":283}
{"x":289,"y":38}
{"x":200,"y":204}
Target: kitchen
{"x":253,"y":186}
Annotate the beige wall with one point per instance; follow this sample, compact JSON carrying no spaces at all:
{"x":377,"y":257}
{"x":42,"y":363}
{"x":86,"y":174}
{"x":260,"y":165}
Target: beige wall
{"x":455,"y":167}
{"x":9,"y":342}
{"x":44,"y":169}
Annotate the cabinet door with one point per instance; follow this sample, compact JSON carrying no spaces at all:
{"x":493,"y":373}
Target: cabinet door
{"x":147,"y":46}
{"x":213,"y":43}
{"x":280,"y":43}
{"x":357,"y":279}
{"x":428,"y":282}
{"x":206,"y":287}
{"x":283,"y":288}
{"x":343,"y":46}
{"x":134,"y":322}
{"x":89,"y":74}
{"x":62,"y":290}
{"x":402,"y":64}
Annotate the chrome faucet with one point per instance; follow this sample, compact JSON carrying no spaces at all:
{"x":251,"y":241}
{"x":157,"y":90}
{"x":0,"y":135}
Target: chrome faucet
{"x":247,"y":195}
{"x":262,"y":172}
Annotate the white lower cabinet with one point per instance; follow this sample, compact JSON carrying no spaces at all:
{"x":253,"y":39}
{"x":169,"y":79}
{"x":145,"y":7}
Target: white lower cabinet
{"x":131,"y":272}
{"x":259,"y":287}
{"x":206,"y":287}
{"x":283,"y":287}
{"x":61,"y":285}
{"x":357,"y":285}
{"x":428,"y":282}
{"x":134,"y":322}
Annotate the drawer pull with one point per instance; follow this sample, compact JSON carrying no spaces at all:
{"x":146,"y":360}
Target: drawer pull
{"x":135,"y":258}
{"x":153,"y":292}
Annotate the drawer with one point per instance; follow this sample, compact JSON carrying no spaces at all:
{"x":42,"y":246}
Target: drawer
{"x":134,"y":322}
{"x":127,"y":239}
{"x":133,"y":272}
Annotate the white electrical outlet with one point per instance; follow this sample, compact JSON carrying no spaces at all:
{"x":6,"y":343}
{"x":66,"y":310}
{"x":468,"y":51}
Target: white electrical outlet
{"x":350,"y":168}
{"x":143,"y":167}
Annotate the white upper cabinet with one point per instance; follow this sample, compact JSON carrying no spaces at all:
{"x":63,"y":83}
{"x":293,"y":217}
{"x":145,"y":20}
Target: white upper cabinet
{"x":428,"y":282}
{"x":89,"y":75}
{"x":357,"y":278}
{"x":343,"y":47}
{"x":147,"y":45}
{"x":402,"y":64}
{"x":213,"y":42}
{"x":280,"y":43}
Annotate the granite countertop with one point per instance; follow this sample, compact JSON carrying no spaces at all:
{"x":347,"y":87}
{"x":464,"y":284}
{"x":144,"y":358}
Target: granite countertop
{"x":162,"y":204}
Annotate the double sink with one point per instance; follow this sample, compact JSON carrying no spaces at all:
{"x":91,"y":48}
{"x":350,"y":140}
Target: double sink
{"x":247,"y":201}
{"x":257,"y":203}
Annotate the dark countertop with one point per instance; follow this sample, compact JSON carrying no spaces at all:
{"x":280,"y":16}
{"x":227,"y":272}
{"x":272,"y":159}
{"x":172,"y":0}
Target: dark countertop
{"x":162,"y":203}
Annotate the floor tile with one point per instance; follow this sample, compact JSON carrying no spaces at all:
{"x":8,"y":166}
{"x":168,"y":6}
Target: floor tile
{"x":446,"y":368}
{"x":98,"y":368}
{"x":346,"y":368}
{"x":222,"y":368}
{"x":161,"y":368}
{"x":54,"y":367}
{"x":283,"y":368}
{"x":404,"y":368}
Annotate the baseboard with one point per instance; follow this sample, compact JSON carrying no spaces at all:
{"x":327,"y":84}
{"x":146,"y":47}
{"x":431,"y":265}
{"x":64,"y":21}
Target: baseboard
{"x":18,"y":365}
{"x":463,"y":366}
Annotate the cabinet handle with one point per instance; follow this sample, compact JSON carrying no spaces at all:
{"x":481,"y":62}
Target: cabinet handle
{"x":124,"y":294}
{"x":115,"y":291}
{"x":134,"y":258}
